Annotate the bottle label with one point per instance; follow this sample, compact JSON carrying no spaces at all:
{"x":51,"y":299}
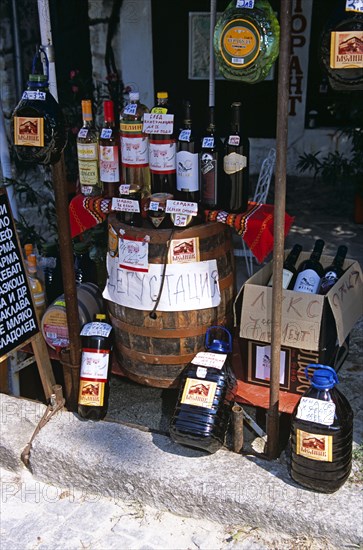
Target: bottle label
{"x":354,"y":5}
{"x":187,"y":173}
{"x":162,"y":156}
{"x":199,"y":394}
{"x":134,"y":151}
{"x":286,"y":278}
{"x":185,"y":135}
{"x":240,"y":43}
{"x":245,"y":4}
{"x":234,"y":162}
{"x":208,"y":167}
{"x":93,"y":377}
{"x":314,"y":446}
{"x":316,"y":410}
{"x":209,"y":359}
{"x":106,"y":133}
{"x":130,"y":128}
{"x":109,"y":165}
{"x":34,"y":94}
{"x":29,"y":131}
{"x":234,"y":140}
{"x":83,"y":133}
{"x":343,"y":54}
{"x":208,"y":142}
{"x":329,"y":280}
{"x":96,"y":328}
{"x":130,"y":109}
{"x":91,"y":393}
{"x":87,"y":151}
{"x":307,"y":281}
{"x":88,"y":173}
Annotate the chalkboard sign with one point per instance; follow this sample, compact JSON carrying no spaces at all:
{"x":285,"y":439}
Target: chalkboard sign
{"x":18,"y":320}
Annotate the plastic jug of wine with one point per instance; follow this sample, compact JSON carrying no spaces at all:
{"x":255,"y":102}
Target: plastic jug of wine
{"x":321,"y":434}
{"x":206,"y":395}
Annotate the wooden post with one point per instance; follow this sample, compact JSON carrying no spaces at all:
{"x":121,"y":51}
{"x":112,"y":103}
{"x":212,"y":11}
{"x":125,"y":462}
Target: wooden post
{"x":279,"y":223}
{"x":70,"y":360}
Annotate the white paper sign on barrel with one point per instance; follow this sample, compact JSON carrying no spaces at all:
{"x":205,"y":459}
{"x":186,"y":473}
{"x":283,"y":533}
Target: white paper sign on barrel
{"x":186,"y":287}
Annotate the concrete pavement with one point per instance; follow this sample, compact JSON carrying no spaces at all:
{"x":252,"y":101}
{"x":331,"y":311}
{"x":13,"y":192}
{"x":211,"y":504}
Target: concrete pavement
{"x":108,"y":460}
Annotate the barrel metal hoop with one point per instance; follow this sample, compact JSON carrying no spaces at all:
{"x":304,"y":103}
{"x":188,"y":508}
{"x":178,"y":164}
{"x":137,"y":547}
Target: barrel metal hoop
{"x":156,"y":359}
{"x":183,"y":332}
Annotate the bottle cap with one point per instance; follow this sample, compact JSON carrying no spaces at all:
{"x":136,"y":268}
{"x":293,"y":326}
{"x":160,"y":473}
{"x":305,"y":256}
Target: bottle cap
{"x":162,"y":95}
{"x":323,"y":377}
{"x":40,"y":78}
{"x":134,"y":96}
{"x":100,"y":317}
{"x":108,"y":111}
{"x":219,"y":345}
{"x":86,"y":108}
{"x":28,"y":249}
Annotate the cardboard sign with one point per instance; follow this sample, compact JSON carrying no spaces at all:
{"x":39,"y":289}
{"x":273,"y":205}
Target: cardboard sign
{"x":18,"y":320}
{"x":303,"y":315}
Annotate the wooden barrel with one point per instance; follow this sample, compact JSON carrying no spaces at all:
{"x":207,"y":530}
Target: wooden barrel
{"x":154,"y":351}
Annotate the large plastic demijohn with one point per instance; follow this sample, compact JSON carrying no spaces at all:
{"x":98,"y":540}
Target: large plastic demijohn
{"x":321,"y":434}
{"x":206,"y":396}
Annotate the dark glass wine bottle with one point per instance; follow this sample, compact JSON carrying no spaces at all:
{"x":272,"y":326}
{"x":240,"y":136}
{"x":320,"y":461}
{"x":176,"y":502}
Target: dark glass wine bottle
{"x":94,"y":384}
{"x":334,"y":271}
{"x":109,"y":153}
{"x":310,"y":271}
{"x":236,"y":165}
{"x":37,"y":124}
{"x":162,"y":152}
{"x":289,"y":270}
{"x":187,"y":160}
{"x":211,"y":163}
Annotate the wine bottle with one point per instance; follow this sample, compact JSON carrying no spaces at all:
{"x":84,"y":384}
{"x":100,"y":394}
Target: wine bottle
{"x":246,"y":40}
{"x":134,"y":145}
{"x":187,"y":160}
{"x":109,"y":153}
{"x":84,"y":267}
{"x":94,"y":384}
{"x":236,"y":165}
{"x":289,"y":270}
{"x":211,"y":159}
{"x":37,"y":124}
{"x":334,"y":271}
{"x":162,"y":151}
{"x":50,"y":264}
{"x":87,"y":152}
{"x":340,"y":56}
{"x":310,"y":271}
{"x":37,"y":286}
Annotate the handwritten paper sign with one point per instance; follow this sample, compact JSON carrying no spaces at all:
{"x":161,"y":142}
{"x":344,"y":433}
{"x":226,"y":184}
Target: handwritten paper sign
{"x":158,"y":123}
{"x":18,"y":321}
{"x":181,"y":207}
{"x":316,"y":410}
{"x":186,"y":286}
{"x":133,"y":254}
{"x":209,"y":359}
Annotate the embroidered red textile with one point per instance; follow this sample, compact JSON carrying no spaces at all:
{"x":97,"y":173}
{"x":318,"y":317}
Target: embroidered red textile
{"x":255,"y":226}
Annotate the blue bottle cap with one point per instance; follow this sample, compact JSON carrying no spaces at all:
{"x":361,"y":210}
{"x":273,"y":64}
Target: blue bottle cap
{"x":219,"y":345}
{"x":323,"y":378}
{"x":223,"y":346}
